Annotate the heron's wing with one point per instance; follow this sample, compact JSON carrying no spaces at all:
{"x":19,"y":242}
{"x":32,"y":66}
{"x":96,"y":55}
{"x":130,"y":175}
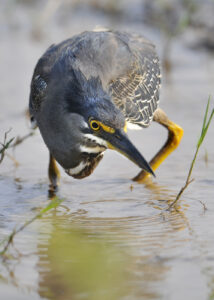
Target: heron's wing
{"x":39,"y":81}
{"x":136,"y":92}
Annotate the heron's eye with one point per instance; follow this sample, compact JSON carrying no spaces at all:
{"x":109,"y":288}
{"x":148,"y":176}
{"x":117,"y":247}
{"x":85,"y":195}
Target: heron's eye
{"x":94,"y":125}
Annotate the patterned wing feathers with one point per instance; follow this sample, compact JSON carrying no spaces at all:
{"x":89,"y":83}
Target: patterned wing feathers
{"x":136,"y":92}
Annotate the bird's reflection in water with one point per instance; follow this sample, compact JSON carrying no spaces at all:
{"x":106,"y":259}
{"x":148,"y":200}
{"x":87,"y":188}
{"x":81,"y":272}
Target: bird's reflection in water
{"x":81,"y":264}
{"x":85,"y":251}
{"x":72,"y":265}
{"x":86,"y":257}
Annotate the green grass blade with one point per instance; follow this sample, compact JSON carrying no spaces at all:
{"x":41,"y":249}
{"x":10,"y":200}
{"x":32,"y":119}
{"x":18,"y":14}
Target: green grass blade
{"x":206,"y":124}
{"x":205,"y":115}
{"x":54,"y":203}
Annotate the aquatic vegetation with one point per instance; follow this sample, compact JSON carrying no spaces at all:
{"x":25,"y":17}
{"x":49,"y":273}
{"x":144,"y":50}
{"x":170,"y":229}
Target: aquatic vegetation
{"x":205,"y":127}
{"x":9,"y":240}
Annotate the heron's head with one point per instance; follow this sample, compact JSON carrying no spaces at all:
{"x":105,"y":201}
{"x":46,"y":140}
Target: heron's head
{"x":91,"y":124}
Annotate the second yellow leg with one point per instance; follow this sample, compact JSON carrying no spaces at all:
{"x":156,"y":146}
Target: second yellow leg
{"x":175,"y":133}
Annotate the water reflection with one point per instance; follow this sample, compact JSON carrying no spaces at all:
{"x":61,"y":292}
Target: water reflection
{"x":72,"y":265}
{"x":133,"y":252}
{"x":139,"y":242}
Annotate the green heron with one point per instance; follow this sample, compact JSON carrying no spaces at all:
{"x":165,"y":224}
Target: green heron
{"x":87,"y":90}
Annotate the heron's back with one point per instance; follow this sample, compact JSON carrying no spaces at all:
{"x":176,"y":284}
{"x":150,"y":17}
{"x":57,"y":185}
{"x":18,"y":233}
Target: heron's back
{"x":126,"y":64}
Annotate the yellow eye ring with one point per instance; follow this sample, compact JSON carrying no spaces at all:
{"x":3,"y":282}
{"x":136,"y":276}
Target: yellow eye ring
{"x":94,"y":125}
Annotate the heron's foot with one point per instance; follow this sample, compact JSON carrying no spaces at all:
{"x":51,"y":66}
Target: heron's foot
{"x":175,"y":133}
{"x":141,"y":177}
{"x":54,"y":177}
{"x":52,"y":191}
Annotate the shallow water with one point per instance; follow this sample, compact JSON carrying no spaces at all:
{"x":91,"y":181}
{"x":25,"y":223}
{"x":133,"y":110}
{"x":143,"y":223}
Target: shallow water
{"x":170,"y":255}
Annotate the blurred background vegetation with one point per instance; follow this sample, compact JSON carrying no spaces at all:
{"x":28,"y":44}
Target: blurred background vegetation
{"x":170,"y":18}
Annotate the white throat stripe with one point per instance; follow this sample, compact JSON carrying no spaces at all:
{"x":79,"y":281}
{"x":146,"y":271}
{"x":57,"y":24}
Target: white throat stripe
{"x":77,"y":169}
{"x":96,"y":139}
{"x":96,"y":149}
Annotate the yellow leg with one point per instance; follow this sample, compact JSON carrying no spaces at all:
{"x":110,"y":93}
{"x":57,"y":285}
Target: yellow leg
{"x":175,"y":134}
{"x":54,"y":175}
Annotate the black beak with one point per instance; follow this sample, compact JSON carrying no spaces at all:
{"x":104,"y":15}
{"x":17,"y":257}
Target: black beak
{"x":120,"y":142}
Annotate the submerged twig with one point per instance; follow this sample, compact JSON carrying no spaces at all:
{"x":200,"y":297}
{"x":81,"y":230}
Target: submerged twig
{"x":203,"y":204}
{"x":205,"y":127}
{"x":11,"y":157}
{"x":12,"y":143}
{"x":5,"y":145}
{"x":19,"y":139}
{"x":9,"y":240}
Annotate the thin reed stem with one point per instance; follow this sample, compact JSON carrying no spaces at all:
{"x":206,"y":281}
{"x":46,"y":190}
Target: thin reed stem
{"x":205,"y":127}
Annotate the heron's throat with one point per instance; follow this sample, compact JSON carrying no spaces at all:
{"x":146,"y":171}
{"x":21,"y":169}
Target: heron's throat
{"x":86,"y":166}
{"x":91,"y":152}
